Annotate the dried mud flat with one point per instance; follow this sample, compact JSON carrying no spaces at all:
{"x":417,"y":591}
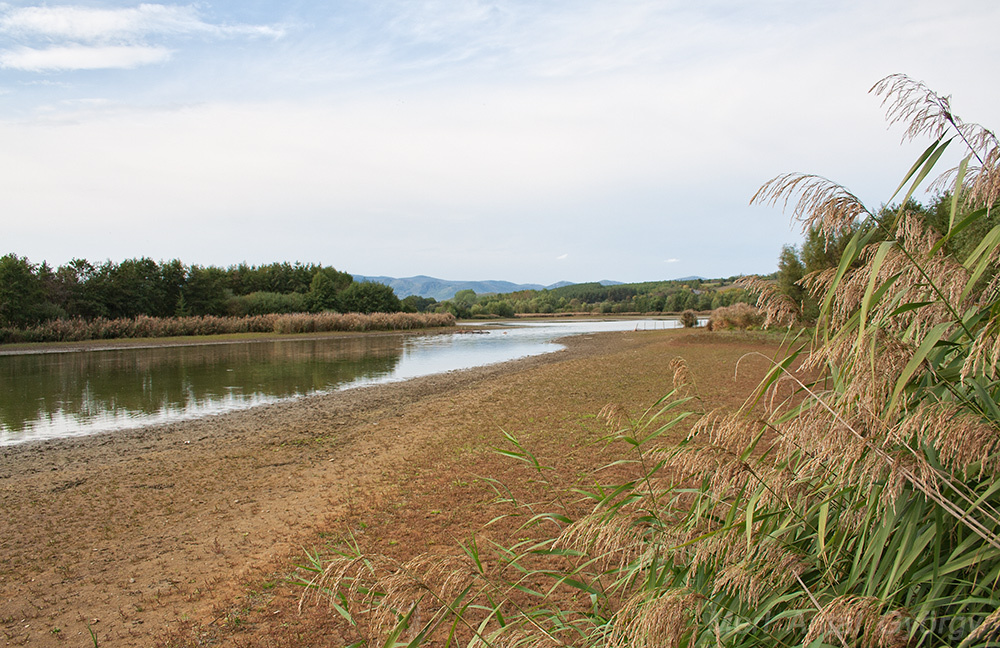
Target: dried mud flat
{"x":187,"y":534}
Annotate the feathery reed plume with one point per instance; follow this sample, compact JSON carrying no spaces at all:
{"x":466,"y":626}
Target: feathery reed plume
{"x":681,"y":374}
{"x":984,"y":355}
{"x":608,"y":541}
{"x":927,"y":113}
{"x":862,"y":618}
{"x":614,"y":415}
{"x":822,"y":203}
{"x":987,"y":631}
{"x":964,"y":442}
{"x":779,"y":309}
{"x":646,"y":621}
{"x":923,"y":111}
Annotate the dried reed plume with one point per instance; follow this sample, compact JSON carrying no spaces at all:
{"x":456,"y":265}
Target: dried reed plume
{"x":388,"y":590}
{"x":863,"y":619}
{"x":778,"y":308}
{"x":927,"y":113}
{"x":822,"y":203}
{"x":614,"y":415}
{"x":646,"y":621}
{"x":99,"y":328}
{"x":681,"y":373}
{"x":613,"y":543}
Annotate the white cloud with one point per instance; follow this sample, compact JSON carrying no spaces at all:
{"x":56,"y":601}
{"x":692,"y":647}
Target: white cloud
{"x":95,"y":25}
{"x":83,"y":38}
{"x":561,"y":257}
{"x":672,"y":261}
{"x":84,"y":24}
{"x":81,"y":57}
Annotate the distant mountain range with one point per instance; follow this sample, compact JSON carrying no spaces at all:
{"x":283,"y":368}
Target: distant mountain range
{"x":442,"y":289}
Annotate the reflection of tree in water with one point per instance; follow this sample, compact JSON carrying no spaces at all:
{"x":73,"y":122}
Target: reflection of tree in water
{"x":82,"y":386}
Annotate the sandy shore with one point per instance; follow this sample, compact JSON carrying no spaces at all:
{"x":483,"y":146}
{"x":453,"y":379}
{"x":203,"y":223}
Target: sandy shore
{"x":137,"y":534}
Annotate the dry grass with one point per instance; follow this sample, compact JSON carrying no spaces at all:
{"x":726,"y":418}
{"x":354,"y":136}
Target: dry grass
{"x":161,"y":327}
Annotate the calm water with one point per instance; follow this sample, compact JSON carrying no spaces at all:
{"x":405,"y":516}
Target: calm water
{"x":54,"y":395}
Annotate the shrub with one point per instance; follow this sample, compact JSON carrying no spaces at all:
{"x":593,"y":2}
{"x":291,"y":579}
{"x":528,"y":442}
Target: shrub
{"x":689,"y":319}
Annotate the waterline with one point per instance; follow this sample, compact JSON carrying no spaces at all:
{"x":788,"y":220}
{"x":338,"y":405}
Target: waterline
{"x":49,"y":396}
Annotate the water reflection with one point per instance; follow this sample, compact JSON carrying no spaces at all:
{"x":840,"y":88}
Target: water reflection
{"x":53,"y":395}
{"x":69,"y":394}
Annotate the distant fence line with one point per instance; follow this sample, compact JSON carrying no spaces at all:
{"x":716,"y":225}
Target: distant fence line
{"x":77,"y":330}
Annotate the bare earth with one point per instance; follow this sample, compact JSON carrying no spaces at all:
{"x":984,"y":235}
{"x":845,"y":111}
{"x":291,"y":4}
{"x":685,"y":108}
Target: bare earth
{"x":187,"y":534}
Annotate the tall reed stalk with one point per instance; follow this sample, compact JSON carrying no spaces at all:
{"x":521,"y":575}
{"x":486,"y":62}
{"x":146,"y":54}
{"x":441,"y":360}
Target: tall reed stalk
{"x":857,"y":507}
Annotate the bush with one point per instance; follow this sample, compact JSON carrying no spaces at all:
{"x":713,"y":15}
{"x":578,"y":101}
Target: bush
{"x":689,"y":319}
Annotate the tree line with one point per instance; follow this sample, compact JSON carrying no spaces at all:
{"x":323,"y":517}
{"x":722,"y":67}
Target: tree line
{"x":596,"y":298}
{"x":32,"y":293}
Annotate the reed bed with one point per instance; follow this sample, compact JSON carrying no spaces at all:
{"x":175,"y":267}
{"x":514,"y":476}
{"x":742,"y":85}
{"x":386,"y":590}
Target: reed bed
{"x":77,"y":330}
{"x":738,"y":316}
{"x":308,"y":322}
{"x":856,"y":508}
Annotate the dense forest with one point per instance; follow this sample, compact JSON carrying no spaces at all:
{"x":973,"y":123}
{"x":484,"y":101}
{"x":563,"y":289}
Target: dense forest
{"x":33,"y":293}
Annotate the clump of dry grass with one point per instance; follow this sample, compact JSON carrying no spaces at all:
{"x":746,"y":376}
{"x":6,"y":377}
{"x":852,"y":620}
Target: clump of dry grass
{"x":738,"y":316}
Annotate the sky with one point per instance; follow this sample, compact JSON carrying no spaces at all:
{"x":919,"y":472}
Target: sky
{"x":525,"y":141}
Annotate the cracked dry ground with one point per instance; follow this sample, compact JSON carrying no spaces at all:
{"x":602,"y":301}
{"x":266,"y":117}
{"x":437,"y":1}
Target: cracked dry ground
{"x":188,"y":534}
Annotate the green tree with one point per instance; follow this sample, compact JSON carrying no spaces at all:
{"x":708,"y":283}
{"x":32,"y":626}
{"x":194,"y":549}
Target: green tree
{"x":132,"y":287}
{"x":74,"y":291}
{"x":501,"y":308}
{"x":341,"y":280}
{"x":369,"y":297}
{"x":790,"y":273}
{"x":322,"y":293}
{"x":461,"y":304}
{"x":173,"y":276}
{"x":20,"y":291}
{"x":418,"y":304}
{"x":205,"y":292}
{"x":820,"y":252}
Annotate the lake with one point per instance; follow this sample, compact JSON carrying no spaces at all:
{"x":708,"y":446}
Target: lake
{"x":56,"y":395}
